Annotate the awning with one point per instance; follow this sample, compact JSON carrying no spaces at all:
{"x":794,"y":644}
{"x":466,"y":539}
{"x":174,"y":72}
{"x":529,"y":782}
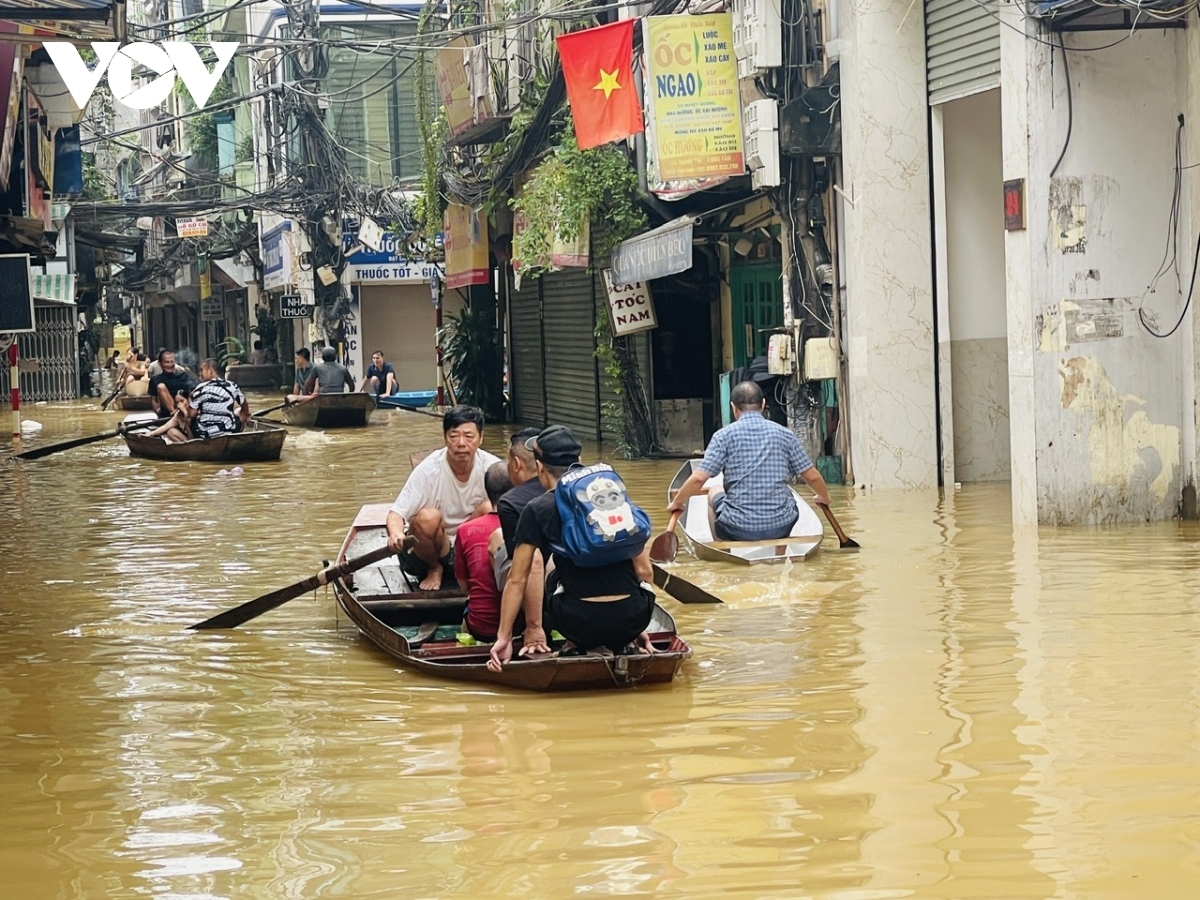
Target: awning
{"x":54,"y":288}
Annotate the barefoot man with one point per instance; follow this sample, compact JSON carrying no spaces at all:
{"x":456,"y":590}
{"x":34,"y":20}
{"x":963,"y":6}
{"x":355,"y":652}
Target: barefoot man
{"x":443,"y":491}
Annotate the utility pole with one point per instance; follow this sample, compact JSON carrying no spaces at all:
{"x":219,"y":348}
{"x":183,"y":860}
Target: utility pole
{"x":309,"y":117}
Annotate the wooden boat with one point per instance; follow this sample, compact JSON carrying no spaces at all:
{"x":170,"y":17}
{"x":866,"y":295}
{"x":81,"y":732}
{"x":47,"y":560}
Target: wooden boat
{"x":127,"y":403}
{"x":419,"y":629}
{"x":331,"y":411}
{"x":697,"y":523}
{"x":401,"y":399}
{"x":258,"y":442}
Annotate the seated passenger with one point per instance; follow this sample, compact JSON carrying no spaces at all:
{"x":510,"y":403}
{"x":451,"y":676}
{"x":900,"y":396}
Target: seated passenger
{"x":591,"y":606}
{"x":443,"y":491}
{"x":327,"y":376}
{"x":216,"y":406}
{"x":168,"y":384}
{"x":473,"y":562}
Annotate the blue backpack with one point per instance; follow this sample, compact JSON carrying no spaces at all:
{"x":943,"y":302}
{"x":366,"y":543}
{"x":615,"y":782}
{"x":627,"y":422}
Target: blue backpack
{"x":599,"y":524}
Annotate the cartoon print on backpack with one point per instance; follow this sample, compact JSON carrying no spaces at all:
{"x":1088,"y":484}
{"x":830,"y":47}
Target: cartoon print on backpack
{"x":612,"y":514}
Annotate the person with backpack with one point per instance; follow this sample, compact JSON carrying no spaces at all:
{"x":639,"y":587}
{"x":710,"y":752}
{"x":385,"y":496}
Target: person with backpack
{"x":758,"y":457}
{"x":598,"y":593}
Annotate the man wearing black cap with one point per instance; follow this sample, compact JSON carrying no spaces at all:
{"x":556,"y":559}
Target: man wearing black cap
{"x":603,"y":606}
{"x":328,"y":376}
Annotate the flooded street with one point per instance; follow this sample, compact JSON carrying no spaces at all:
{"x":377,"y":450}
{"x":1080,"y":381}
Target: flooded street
{"x":953,"y":712}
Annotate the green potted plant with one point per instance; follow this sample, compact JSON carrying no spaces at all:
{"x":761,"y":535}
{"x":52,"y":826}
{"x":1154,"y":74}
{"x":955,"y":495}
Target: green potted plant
{"x":476,"y":363}
{"x":233,"y":353}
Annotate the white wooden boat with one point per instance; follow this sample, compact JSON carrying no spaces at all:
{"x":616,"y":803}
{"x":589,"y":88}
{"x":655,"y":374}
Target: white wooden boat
{"x":697,"y":523}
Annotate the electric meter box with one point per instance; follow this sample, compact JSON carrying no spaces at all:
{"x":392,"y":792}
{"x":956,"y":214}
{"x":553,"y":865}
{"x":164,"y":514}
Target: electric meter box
{"x":820,"y":359}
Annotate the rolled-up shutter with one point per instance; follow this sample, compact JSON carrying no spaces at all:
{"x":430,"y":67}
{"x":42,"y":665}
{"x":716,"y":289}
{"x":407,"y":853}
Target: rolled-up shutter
{"x":962,"y":48}
{"x":567,"y":323}
{"x":525,"y":363}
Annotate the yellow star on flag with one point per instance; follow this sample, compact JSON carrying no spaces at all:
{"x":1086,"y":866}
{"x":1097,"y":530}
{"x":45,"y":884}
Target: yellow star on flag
{"x":608,"y":83}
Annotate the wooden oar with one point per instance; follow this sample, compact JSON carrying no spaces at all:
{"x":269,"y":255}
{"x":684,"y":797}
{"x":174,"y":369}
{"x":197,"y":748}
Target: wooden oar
{"x":680,"y":588}
{"x":232,"y":618}
{"x":271,"y":409}
{"x":844,"y":542}
{"x":666,"y":546}
{"x":111,"y":396}
{"x":39,"y":452}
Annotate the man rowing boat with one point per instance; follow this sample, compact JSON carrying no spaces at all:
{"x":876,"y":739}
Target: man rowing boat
{"x":758,"y":458}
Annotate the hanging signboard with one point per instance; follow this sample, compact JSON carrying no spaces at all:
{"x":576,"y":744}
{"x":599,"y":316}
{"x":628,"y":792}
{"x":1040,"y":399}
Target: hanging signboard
{"x":454,"y":87}
{"x":292,"y":306}
{"x":630,"y":307}
{"x":191,"y":228}
{"x":16,"y":294}
{"x":466,"y":247}
{"x":212,"y":308}
{"x":666,"y":250}
{"x":277,"y":256}
{"x":692,"y":97}
{"x":387,"y":265}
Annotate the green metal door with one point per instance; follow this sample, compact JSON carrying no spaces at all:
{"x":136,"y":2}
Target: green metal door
{"x":757,"y":308}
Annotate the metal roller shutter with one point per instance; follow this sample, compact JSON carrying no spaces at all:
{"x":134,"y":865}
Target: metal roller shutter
{"x":568,"y":320}
{"x":962,"y":49}
{"x":525,"y":351}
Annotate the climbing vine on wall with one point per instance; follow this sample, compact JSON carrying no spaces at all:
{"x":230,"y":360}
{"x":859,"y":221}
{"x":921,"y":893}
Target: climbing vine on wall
{"x":569,"y":188}
{"x":629,"y":415}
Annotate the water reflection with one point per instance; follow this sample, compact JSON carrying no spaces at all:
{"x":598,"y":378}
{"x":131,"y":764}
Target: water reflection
{"x":955,"y":711}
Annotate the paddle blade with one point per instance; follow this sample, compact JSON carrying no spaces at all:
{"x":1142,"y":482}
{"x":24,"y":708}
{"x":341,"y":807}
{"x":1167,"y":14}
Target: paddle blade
{"x":39,"y":452}
{"x":666,"y":546}
{"x":845,"y":542}
{"x":681,"y":589}
{"x":234,"y":617}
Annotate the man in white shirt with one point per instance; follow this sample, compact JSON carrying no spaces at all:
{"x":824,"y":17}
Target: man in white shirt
{"x":443,"y":491}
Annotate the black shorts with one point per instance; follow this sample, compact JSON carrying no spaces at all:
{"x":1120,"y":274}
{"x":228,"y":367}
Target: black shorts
{"x":590,"y":624}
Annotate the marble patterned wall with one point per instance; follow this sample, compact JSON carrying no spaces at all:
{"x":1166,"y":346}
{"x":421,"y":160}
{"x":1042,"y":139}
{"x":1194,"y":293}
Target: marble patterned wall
{"x":889,"y":279}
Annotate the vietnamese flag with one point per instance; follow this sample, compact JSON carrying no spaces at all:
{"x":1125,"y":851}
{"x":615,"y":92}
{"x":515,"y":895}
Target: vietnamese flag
{"x":598,"y":68}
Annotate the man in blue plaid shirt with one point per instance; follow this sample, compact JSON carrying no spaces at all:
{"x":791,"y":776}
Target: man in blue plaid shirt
{"x":758,"y":458}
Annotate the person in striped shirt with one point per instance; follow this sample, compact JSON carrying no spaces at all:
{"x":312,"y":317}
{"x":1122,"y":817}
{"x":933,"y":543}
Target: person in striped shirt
{"x":215,"y":407}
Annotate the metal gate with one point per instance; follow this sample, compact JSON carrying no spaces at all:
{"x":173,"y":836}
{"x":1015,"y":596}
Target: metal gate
{"x":525,"y":353}
{"x":568,"y":323}
{"x":962,"y":48}
{"x":55,"y":349}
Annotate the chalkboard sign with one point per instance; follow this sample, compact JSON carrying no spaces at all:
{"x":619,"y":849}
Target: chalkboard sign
{"x":16,"y":294}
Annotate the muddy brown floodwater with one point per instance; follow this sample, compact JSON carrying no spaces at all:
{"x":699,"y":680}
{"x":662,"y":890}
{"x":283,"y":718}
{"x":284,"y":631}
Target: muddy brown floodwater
{"x":953,"y":712}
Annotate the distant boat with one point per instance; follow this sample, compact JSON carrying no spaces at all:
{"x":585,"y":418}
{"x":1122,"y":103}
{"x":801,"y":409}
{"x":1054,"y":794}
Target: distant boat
{"x":258,"y":442}
{"x":401,"y":399}
{"x":331,"y":411}
{"x":419,"y":628}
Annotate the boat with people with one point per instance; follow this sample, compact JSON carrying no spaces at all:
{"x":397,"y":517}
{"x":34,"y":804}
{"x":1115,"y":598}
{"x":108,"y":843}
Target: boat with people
{"x":258,"y":441}
{"x":330,"y":411}
{"x":696,"y":520}
{"x":131,"y":403}
{"x":423,"y":629}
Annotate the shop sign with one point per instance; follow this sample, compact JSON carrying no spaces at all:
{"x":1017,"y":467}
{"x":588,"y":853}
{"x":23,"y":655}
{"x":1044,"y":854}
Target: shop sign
{"x":666,"y":250}
{"x":630,"y":307}
{"x":292,"y":306}
{"x":466,"y":247}
{"x":277,"y":256}
{"x":454,"y":86}
{"x":695,"y":114}
{"x":191,"y":228}
{"x":212,"y":309}
{"x":387,"y":265}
